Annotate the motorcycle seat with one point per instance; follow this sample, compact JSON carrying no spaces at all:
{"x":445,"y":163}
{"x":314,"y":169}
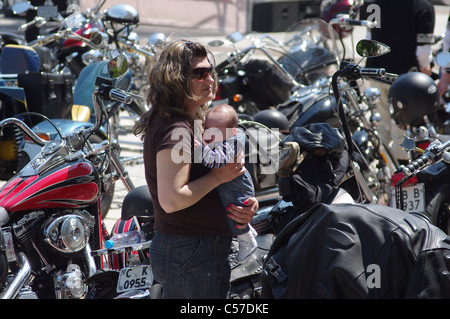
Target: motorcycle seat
{"x":15,"y":59}
{"x":138,"y":202}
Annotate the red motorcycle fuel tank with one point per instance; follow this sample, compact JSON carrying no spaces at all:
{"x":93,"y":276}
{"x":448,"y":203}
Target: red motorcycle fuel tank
{"x":84,"y":31}
{"x":70,"y":185}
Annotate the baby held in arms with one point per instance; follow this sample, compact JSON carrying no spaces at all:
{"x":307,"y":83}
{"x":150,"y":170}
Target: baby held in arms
{"x":223,"y":141}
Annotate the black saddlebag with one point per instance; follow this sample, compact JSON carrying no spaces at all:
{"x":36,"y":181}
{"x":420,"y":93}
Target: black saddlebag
{"x":48,"y":94}
{"x":358,"y":251}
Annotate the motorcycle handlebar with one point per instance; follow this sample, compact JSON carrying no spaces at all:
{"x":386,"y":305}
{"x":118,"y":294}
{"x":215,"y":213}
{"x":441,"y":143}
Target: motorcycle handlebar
{"x":362,"y":23}
{"x":354,"y":71}
{"x":372,"y":72}
{"x":222,"y":64}
{"x":416,"y":166}
{"x":434,"y":153}
{"x":64,"y":34}
{"x":137,"y":49}
{"x":27,"y":25}
{"x":120,"y":96}
{"x":32,"y":135}
{"x":344,"y":20}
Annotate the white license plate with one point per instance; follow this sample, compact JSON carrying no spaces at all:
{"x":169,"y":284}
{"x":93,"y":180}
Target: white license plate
{"x":413,"y":198}
{"x":138,"y":277}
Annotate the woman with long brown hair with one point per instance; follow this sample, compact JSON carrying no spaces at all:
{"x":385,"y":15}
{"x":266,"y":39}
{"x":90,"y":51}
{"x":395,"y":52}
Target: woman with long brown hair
{"x":189,"y":251}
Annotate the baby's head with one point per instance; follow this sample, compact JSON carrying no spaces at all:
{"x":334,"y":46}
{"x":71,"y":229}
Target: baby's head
{"x":220,"y":123}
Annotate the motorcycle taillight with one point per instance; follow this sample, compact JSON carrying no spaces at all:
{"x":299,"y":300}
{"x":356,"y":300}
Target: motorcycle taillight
{"x":423,"y":145}
{"x":399,"y":176}
{"x":237,"y":98}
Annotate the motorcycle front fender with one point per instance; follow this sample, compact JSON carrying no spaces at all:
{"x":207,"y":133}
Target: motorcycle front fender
{"x":103,"y":284}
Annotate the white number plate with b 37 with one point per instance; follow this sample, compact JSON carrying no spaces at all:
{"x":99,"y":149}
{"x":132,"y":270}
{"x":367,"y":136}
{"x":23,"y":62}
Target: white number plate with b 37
{"x":138,"y":277}
{"x":413,"y":198}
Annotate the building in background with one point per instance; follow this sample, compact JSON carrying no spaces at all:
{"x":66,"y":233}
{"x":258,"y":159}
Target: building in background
{"x":220,"y":15}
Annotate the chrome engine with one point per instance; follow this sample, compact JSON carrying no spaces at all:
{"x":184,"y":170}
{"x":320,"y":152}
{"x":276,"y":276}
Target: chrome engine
{"x":56,"y":250}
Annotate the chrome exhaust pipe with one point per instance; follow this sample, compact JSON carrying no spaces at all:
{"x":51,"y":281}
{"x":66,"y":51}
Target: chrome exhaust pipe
{"x":90,"y":262}
{"x":21,"y":278}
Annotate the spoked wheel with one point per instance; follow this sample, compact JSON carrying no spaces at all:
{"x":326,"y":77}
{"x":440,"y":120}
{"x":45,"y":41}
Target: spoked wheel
{"x":437,"y":198}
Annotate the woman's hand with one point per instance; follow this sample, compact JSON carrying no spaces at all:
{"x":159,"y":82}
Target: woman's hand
{"x":243,"y":214}
{"x":228,"y":172}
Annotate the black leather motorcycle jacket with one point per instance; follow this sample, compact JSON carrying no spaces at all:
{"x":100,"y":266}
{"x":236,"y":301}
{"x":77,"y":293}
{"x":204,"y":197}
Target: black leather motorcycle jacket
{"x":358,"y":251}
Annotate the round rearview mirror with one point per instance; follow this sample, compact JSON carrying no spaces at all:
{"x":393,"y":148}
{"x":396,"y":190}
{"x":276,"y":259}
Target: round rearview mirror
{"x":20,"y":7}
{"x":98,"y":38}
{"x":371,"y":48}
{"x":443,"y":59}
{"x":235,"y":37}
{"x":156,"y":39}
{"x":117,"y":67}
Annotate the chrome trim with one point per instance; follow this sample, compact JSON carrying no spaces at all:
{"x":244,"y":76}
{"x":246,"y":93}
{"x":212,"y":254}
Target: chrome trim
{"x":90,"y":262}
{"x":20,"y":279}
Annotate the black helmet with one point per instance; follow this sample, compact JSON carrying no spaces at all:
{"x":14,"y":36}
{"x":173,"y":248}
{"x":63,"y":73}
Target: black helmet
{"x":412,"y":96}
{"x":272,"y":119}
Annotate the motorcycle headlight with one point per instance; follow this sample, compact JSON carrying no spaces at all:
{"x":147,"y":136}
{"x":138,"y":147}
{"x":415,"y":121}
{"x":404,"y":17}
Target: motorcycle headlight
{"x":67,"y":234}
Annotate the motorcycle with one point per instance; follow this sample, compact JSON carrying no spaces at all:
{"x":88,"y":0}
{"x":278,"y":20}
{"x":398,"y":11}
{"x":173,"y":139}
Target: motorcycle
{"x":64,"y":43}
{"x":357,"y":182}
{"x":72,"y":113}
{"x":50,"y":211}
{"x":422,"y":185}
{"x":70,"y":43}
{"x":427,"y":172}
{"x":315,"y":104}
{"x":99,"y":47}
{"x":265,"y":72}
{"x":247,"y":81}
{"x":28,"y":94}
{"x":377,"y":177}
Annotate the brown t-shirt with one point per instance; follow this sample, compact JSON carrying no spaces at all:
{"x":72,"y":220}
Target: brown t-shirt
{"x":207,"y":217}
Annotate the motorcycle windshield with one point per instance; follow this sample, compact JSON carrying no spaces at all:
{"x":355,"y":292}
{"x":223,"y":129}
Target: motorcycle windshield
{"x":312,"y":49}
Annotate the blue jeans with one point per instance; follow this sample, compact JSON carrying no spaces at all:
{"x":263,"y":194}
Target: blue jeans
{"x":236,"y":192}
{"x":191,"y":267}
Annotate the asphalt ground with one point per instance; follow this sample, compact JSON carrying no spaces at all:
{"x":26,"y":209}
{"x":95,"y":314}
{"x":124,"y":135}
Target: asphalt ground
{"x":130,"y":144}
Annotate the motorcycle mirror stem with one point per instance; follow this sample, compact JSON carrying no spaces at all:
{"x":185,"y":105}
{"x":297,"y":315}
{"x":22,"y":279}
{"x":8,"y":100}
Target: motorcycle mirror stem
{"x":99,"y":6}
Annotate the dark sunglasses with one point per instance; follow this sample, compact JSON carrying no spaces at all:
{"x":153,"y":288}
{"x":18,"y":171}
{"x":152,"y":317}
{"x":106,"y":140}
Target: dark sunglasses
{"x":200,"y":74}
